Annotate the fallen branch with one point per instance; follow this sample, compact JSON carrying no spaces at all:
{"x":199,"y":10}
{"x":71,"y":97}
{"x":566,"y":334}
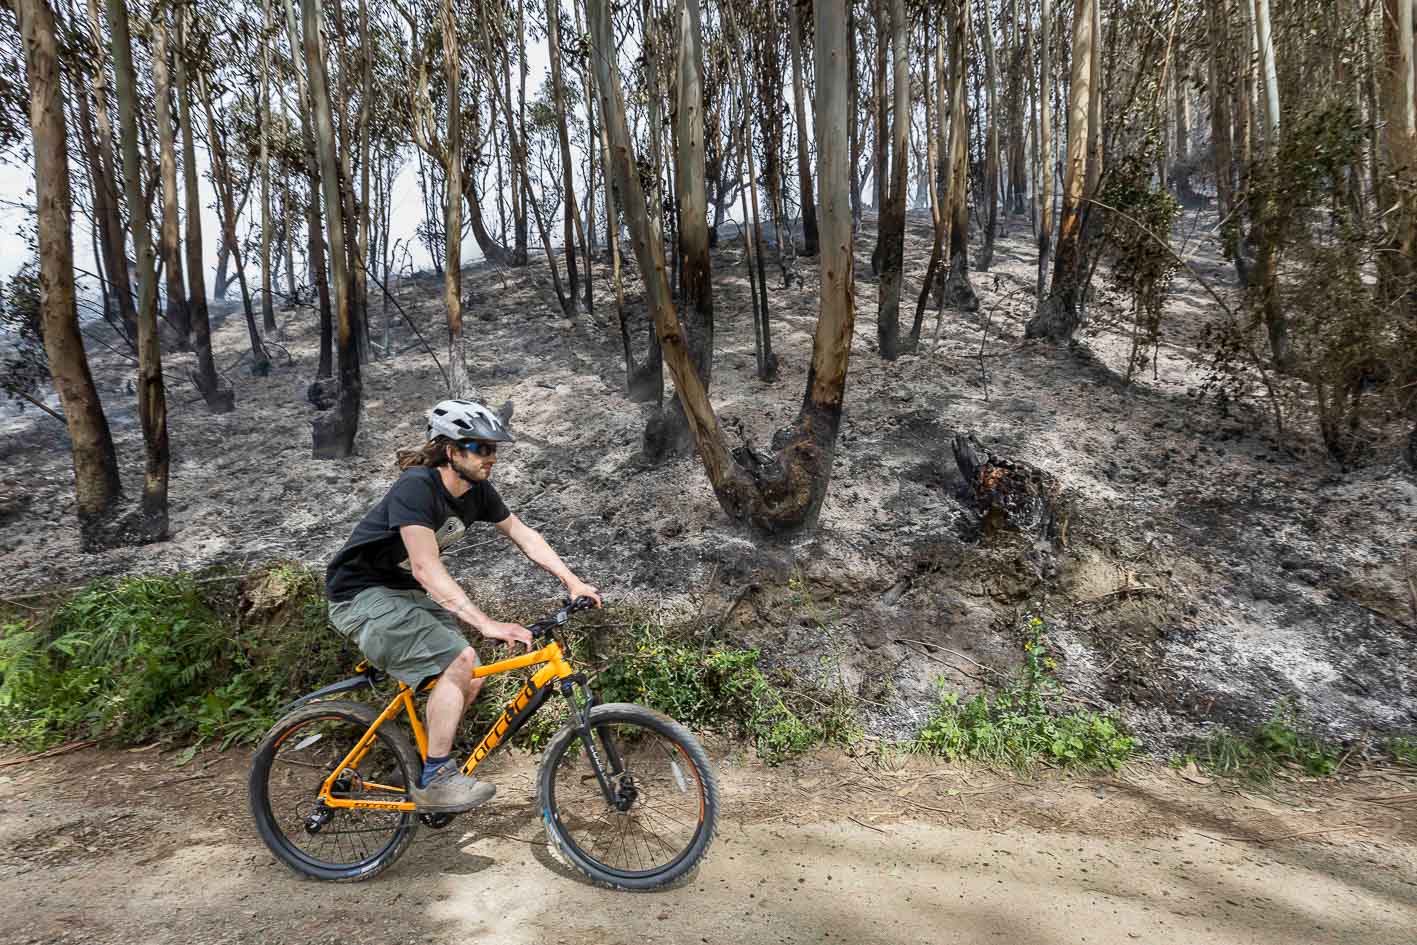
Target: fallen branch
{"x":16,"y":392}
{"x":1295,"y":836}
{"x":866,"y":825}
{"x":1119,"y":592}
{"x":50,"y":753}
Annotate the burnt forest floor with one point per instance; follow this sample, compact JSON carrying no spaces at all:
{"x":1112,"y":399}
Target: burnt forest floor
{"x":1209,"y":572}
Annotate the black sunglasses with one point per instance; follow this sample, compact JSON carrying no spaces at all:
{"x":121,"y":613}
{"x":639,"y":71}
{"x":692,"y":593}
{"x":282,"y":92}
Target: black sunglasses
{"x":481,"y":449}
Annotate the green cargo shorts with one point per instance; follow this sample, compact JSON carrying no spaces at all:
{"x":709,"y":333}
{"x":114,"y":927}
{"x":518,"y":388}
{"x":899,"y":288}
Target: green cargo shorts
{"x":404,"y":633}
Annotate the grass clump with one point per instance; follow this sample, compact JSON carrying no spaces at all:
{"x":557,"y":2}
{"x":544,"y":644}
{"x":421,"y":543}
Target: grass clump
{"x":1279,"y":744}
{"x":1402,"y":749}
{"x":710,"y":687}
{"x":120,"y":657}
{"x":214,"y":658}
{"x":1020,"y":725}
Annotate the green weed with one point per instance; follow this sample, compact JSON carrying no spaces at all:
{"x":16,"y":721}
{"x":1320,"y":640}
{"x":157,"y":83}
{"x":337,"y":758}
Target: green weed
{"x":1402,"y":749}
{"x":708,"y":688}
{"x":1280,"y":744}
{"x":1019,"y":725}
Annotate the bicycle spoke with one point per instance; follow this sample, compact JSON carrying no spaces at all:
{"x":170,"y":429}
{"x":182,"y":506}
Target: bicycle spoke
{"x":341,"y":837}
{"x":661,"y":791}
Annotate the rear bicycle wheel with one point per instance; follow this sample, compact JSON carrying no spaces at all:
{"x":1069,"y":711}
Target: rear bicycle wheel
{"x":291,"y":764}
{"x":665,"y":800}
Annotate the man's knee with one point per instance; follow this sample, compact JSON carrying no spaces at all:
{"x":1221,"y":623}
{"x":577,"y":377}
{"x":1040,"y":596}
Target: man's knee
{"x":459,"y":672}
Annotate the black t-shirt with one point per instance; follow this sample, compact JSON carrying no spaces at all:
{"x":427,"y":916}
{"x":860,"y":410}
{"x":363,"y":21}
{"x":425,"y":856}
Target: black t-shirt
{"x":375,"y":555}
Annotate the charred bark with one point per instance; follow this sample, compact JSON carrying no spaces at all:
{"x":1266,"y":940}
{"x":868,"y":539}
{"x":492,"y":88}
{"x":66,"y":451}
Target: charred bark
{"x":96,"y":484}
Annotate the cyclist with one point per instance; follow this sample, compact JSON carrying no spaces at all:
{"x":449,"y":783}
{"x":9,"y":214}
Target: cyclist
{"x":391,"y":595}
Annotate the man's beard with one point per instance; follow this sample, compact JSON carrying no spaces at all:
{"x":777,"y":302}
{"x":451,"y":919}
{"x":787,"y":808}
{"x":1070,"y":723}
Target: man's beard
{"x":465,"y":477}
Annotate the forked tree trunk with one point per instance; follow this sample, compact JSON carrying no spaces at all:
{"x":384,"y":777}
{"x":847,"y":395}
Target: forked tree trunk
{"x":1057,"y":317}
{"x":891,"y":228}
{"x":178,"y":312}
{"x":334,"y":430}
{"x":96,"y":485}
{"x":785,"y":493}
{"x":152,"y":396}
{"x":804,"y":163}
{"x":219,"y":399}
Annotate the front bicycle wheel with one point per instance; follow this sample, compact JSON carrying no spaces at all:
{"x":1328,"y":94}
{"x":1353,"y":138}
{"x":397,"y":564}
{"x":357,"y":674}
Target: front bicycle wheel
{"x":309,"y":836}
{"x":660,"y":819}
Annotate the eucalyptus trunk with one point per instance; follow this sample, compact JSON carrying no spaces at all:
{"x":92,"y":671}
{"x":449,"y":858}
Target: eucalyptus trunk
{"x":452,"y":208}
{"x":112,"y":224}
{"x":152,"y":396}
{"x":669,"y":433}
{"x":1058,"y":316}
{"x":268,"y":312}
{"x":334,"y":430}
{"x":1266,"y":231}
{"x":891,"y":228}
{"x":991,"y":145}
{"x":179,"y":316}
{"x":96,"y":485}
{"x":785,"y":493}
{"x":958,"y":291}
{"x":219,"y":399}
{"x":314,"y":227}
{"x":1045,"y":143}
{"x":571,"y":302}
{"x":804,"y":162}
{"x":1221,"y":135}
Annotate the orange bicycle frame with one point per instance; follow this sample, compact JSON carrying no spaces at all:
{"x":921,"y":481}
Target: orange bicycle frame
{"x":554,"y":667}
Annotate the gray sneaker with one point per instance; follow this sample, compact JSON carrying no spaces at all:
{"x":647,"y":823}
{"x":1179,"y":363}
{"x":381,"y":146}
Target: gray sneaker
{"x":450,"y":791}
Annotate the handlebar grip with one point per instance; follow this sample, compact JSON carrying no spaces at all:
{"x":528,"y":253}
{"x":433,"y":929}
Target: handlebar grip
{"x":545,"y":625}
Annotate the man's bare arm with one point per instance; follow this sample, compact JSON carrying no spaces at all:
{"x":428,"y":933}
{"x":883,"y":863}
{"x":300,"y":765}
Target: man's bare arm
{"x":429,"y":571}
{"x":536,"y":549}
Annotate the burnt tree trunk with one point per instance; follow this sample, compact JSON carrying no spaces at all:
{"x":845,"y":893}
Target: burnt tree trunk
{"x":96,"y":484}
{"x":891,"y":227}
{"x":219,"y":399}
{"x":152,"y":396}
{"x":334,"y":431}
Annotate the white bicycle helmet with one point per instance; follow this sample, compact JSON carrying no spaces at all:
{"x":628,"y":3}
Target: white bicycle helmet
{"x":460,"y":420}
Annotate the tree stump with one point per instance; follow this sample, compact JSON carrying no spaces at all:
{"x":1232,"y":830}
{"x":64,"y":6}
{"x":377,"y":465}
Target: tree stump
{"x":1011,"y":494}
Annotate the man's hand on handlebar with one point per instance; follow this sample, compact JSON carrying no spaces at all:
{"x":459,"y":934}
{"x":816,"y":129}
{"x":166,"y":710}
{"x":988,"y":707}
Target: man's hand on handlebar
{"x":576,"y":589}
{"x":506,"y":632}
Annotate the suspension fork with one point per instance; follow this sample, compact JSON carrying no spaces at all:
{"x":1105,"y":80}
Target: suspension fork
{"x":580,"y":711}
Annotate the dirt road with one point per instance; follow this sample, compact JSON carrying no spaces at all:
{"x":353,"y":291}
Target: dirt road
{"x":103,"y":846}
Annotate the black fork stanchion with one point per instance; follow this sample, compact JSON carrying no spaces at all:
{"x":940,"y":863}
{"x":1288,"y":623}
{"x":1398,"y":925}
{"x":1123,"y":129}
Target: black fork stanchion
{"x":582,"y":716}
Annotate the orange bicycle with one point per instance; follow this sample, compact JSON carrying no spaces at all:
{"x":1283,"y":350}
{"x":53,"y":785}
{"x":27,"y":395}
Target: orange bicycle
{"x":627,"y":794}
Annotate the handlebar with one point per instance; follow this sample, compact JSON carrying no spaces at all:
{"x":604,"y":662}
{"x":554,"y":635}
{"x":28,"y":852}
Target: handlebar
{"x":544,"y":627}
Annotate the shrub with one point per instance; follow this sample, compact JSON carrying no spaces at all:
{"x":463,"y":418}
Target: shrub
{"x":1019,"y":725}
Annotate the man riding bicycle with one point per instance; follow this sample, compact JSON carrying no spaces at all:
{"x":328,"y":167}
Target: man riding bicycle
{"x":391,"y":595}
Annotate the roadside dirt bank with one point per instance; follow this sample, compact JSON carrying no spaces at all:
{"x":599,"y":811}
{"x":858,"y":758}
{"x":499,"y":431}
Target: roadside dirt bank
{"x":121,"y":846}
